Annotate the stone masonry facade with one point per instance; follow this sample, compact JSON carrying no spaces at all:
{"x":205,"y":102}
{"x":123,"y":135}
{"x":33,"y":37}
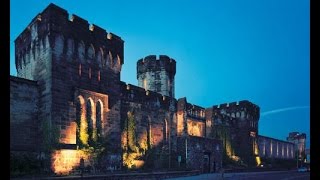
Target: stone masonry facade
{"x":69,"y":76}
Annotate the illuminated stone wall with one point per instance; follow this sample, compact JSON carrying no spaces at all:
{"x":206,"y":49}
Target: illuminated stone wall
{"x":50,"y":52}
{"x":299,"y":139}
{"x":274,"y":148}
{"x":154,"y":125}
{"x":194,"y":151}
{"x":191,"y":119}
{"x":236,"y":124}
{"x":66,"y":160}
{"x":196,"y":128}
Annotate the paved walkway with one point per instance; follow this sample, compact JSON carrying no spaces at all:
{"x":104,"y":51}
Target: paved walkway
{"x":218,"y":176}
{"x":210,"y":176}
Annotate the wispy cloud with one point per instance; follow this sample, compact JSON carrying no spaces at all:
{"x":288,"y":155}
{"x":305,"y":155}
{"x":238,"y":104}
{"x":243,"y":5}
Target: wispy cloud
{"x":283,"y":109}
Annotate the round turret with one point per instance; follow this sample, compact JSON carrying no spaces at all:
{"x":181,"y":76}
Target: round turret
{"x":157,"y":74}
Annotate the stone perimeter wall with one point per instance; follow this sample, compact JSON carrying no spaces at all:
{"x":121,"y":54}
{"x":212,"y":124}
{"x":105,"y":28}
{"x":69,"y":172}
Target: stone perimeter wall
{"x":274,"y":148}
{"x":24,"y":108}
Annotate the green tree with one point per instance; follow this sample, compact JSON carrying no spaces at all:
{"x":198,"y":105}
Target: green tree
{"x":50,"y":139}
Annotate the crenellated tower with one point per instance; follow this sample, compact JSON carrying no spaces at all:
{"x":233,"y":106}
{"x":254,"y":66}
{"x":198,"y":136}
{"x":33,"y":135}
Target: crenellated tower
{"x":157,"y":74}
{"x":236,"y":124}
{"x":72,"y":61}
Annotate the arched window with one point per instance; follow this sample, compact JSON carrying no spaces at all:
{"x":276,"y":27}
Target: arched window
{"x":109,"y":59}
{"x":81,"y":51}
{"x":99,"y":110}
{"x":242,"y":114}
{"x":91,"y":53}
{"x":70,"y":49}
{"x":165,"y":130}
{"x":81,"y":132}
{"x":80,"y":69}
{"x":237,"y":114}
{"x":90,"y":121}
{"x":116,"y":63}
{"x":100,"y":58}
{"x":58,"y":46}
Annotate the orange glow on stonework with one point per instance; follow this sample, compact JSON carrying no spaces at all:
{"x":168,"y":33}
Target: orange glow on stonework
{"x":70,"y":134}
{"x":63,"y":161}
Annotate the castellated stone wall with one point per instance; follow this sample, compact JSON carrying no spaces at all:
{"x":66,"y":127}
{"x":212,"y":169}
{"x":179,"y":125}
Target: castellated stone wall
{"x":204,"y":154}
{"x":274,"y":148}
{"x":157,"y":74}
{"x":33,"y":61}
{"x":154,"y":117}
{"x":65,"y":55}
{"x":196,"y":149}
{"x":236,"y":124}
{"x":191,"y":119}
{"x":24,"y":108}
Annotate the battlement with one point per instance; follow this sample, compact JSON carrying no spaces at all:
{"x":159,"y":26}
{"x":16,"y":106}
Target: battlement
{"x":192,"y":110}
{"x":237,"y":104}
{"x":56,"y":35}
{"x":148,"y":98}
{"x":151,"y":63}
{"x":243,"y":109}
{"x":78,"y":21}
{"x":195,"y":111}
{"x":274,"y":139}
{"x":61,"y":16}
{"x":75,"y":26}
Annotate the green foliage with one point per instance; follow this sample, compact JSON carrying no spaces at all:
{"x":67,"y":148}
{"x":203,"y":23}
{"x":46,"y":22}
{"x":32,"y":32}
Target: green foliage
{"x":131,"y":133}
{"x":84,"y":137}
{"x":132,"y":149}
{"x":50,"y":140}
{"x":97,"y":153}
{"x":50,"y":134}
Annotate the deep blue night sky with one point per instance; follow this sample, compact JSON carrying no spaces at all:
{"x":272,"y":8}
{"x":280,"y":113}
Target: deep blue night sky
{"x":226,"y":50}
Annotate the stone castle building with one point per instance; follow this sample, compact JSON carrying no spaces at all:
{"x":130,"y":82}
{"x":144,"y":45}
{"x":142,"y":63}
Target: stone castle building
{"x":299,"y":140}
{"x":68,"y":76}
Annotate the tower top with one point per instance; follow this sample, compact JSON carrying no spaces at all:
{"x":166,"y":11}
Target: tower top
{"x":151,"y":63}
{"x":57,"y":20}
{"x":157,"y":74}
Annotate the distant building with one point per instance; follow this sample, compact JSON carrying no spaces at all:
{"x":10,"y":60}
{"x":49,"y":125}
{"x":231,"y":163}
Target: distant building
{"x":299,"y":139}
{"x":308,"y":155}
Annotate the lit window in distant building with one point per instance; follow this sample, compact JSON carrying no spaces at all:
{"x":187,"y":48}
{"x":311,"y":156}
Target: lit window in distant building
{"x":264,"y":147}
{"x":253,"y":134}
{"x":79,"y":69}
{"x":271,"y":148}
{"x":145,"y":83}
{"x":165,"y":130}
